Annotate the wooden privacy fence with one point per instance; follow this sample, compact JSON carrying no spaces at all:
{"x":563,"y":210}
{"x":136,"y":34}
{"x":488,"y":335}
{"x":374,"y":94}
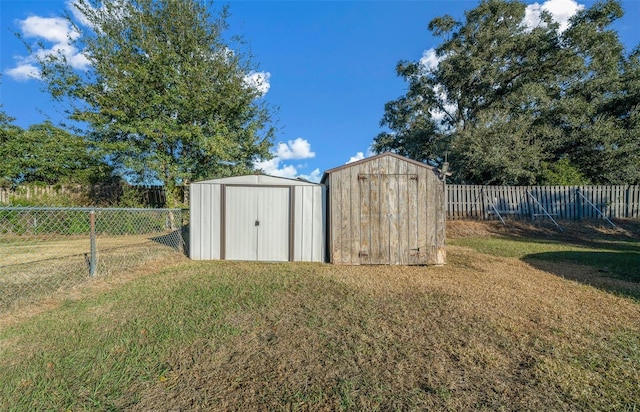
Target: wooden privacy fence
{"x":82,"y":195}
{"x":540,"y":202}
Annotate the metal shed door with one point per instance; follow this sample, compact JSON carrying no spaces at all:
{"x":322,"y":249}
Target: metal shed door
{"x":257,"y":223}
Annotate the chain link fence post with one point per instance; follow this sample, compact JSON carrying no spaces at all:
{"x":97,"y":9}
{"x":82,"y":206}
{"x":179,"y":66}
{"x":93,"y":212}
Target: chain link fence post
{"x":44,"y":250}
{"x":93,"y":259}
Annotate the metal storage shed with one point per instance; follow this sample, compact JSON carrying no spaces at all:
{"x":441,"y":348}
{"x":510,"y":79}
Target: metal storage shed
{"x":385,"y":209}
{"x":257,"y":217}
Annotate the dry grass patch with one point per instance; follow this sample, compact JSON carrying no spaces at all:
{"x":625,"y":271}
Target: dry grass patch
{"x":484,"y":332}
{"x":32,"y":270}
{"x":487,"y":334}
{"x":86,"y":290}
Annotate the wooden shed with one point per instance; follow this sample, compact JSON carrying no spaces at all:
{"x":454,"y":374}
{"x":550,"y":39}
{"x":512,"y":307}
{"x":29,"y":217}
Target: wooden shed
{"x":257,"y":217}
{"x":385,"y":209}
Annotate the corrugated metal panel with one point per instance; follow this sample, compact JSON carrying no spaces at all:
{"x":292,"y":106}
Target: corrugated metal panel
{"x":274,"y":226}
{"x":257,"y":223}
{"x":213,"y":208}
{"x":241,"y":215}
{"x":306,"y":237}
{"x":291,"y":216}
{"x":298,"y":224}
{"x":204,"y":227}
{"x":309,"y":224}
{"x":209,"y":211}
{"x":195,"y":223}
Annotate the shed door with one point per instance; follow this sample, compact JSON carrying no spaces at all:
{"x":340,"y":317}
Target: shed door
{"x":257,"y":223}
{"x":389,"y":219}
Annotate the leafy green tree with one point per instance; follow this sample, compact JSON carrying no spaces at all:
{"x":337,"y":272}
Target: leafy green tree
{"x":506,"y":101}
{"x":166,"y":97}
{"x":563,"y":173}
{"x":47,"y":154}
{"x":598,"y":109}
{"x":9,"y":133}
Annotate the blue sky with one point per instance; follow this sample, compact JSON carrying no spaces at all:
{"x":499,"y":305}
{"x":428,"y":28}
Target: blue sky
{"x":329,"y":65}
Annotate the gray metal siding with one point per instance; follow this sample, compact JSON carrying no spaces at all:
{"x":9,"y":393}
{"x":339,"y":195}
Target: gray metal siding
{"x":257,"y":223}
{"x":241,"y":211}
{"x":274,"y":228}
{"x":195,"y":223}
{"x":291,"y":217}
{"x":204,"y":229}
{"x":309,"y":224}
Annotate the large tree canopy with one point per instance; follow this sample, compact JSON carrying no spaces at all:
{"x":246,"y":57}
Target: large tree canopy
{"x":165,"y":97}
{"x":514,"y":104}
{"x":47,"y":154}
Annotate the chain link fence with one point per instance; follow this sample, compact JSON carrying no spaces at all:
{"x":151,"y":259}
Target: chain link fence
{"x":46,"y":249}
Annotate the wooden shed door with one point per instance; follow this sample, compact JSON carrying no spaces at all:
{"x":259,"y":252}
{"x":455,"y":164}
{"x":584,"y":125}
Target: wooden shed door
{"x":257,"y":223}
{"x":389,"y":219}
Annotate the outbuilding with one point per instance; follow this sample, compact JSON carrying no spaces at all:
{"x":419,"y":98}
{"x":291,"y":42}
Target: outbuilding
{"x":385,"y":209}
{"x":257,"y":217}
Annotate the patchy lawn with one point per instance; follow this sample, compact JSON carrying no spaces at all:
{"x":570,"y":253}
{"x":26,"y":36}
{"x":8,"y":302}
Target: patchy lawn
{"x":492,"y":330}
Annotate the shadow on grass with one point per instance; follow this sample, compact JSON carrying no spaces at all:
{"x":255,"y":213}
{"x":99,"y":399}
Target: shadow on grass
{"x":617,"y":272}
{"x":587,"y":233}
{"x":173,"y":239}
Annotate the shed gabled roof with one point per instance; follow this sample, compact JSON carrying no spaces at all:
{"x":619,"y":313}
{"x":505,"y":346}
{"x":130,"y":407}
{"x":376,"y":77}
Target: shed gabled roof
{"x":258,"y":180}
{"x":368,"y":159}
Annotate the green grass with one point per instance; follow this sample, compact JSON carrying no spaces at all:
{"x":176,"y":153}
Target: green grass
{"x":92,"y":351}
{"x":618,"y":259}
{"x":485,"y":332}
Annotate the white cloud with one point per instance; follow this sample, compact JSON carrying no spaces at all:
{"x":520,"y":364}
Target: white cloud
{"x":24,"y":72}
{"x":298,"y":149}
{"x":272,"y":167}
{"x":430,"y":60}
{"x":77,"y":14}
{"x":449,"y":109}
{"x":314,"y":176}
{"x":358,"y":156}
{"x":561,"y":11}
{"x":258,"y":81}
{"x":54,"y":30}
{"x":361,"y":155}
{"x":295,"y":149}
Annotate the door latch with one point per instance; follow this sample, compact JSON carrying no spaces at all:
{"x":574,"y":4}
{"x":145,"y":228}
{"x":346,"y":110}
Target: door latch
{"x":257,"y":223}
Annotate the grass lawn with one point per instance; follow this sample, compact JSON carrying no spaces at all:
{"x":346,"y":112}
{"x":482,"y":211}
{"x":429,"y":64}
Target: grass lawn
{"x":500,"y":327}
{"x":33,"y":267}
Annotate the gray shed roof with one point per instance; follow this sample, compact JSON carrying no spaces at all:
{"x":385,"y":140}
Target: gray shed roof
{"x":257,"y":180}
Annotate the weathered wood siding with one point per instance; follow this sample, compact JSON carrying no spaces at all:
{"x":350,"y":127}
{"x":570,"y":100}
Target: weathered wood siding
{"x":386,"y":210}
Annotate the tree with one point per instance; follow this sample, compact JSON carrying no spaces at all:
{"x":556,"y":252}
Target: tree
{"x":8,"y":134}
{"x":47,"y":154}
{"x":600,"y":108}
{"x":166,"y":98}
{"x":507,"y":101}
